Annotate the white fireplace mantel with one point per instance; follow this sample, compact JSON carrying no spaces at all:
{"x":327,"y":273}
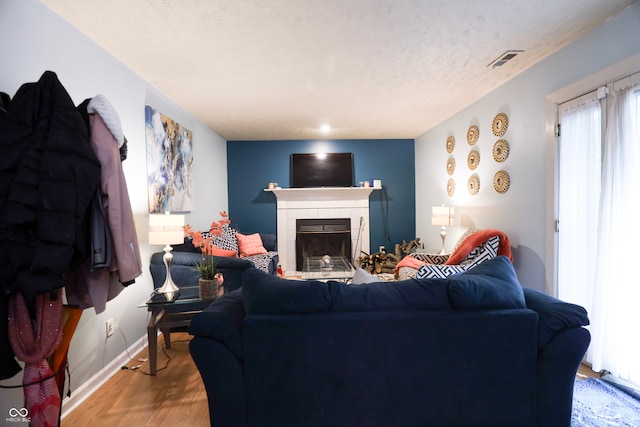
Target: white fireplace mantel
{"x":315,"y":203}
{"x":322,"y":193}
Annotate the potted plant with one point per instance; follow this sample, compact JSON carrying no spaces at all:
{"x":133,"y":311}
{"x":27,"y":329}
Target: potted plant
{"x":211,"y":280}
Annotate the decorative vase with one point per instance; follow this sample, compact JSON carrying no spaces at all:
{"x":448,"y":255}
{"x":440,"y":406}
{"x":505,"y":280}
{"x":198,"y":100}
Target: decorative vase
{"x":208,"y":289}
{"x":211,"y":288}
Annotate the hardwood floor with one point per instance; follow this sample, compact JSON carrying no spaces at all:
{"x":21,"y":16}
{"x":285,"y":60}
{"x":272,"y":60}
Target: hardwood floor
{"x":174,"y":397}
{"x":585,"y":371}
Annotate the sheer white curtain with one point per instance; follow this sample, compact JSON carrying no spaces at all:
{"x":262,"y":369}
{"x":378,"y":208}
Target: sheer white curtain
{"x":615,"y":313}
{"x":579,"y":196}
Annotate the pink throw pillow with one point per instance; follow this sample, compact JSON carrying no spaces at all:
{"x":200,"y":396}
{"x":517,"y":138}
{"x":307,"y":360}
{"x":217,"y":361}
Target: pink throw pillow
{"x":250,"y":245}
{"x":216,"y":251}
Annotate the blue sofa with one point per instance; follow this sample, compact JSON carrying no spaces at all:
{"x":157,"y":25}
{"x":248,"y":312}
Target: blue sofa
{"x":185,"y":256}
{"x":474,"y":349}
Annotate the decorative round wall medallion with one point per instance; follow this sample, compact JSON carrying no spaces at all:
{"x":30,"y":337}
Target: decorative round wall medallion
{"x":500,"y":124}
{"x":500,"y":150}
{"x":451,"y":187}
{"x":473,"y":134}
{"x":501,"y":181}
{"x":473,"y":159}
{"x":451,"y":165}
{"x":451,"y":144}
{"x":473,"y":185}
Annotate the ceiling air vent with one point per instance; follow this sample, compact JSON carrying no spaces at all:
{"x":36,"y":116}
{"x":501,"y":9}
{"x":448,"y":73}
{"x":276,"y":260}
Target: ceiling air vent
{"x":504,"y":58}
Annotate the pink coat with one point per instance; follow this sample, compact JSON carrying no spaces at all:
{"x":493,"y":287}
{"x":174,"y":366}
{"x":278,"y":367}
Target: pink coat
{"x":86,"y":288}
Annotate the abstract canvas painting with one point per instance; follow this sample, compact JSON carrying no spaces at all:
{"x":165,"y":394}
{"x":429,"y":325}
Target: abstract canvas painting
{"x":169,"y":163}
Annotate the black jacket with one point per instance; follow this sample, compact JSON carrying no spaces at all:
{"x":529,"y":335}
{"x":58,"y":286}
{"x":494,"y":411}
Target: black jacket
{"x":48,"y":178}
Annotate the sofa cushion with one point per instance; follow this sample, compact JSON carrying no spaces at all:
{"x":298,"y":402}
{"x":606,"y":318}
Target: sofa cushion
{"x":491,"y":285}
{"x":250,"y":244}
{"x":266,"y":294}
{"x":554,"y":315}
{"x":411,"y":294}
{"x":222,"y":320}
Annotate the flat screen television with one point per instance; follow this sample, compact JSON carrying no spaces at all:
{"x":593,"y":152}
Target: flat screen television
{"x":321,"y":170}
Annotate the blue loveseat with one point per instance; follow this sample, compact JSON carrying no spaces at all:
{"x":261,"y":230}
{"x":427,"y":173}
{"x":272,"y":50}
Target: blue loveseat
{"x":475,"y":349}
{"x":185,"y":256}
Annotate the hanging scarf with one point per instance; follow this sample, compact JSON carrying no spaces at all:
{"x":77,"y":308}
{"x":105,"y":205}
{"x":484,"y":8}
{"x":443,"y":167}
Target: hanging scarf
{"x":33,"y":340}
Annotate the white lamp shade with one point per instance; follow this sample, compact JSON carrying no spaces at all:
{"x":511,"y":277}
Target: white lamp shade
{"x":442,"y":215}
{"x":165,"y":229}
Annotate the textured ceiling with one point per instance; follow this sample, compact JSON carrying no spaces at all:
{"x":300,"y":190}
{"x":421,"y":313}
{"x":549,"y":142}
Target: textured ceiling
{"x":278,"y":69}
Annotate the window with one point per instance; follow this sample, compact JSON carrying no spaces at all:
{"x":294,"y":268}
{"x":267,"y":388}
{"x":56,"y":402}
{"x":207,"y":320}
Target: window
{"x":598,"y":211}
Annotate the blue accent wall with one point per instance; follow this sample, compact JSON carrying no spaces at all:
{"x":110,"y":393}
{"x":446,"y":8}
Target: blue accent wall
{"x":253,"y":164}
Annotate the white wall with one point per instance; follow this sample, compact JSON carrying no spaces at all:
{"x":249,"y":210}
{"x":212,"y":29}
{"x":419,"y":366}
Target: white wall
{"x":525,"y":212}
{"x":34,"y":39}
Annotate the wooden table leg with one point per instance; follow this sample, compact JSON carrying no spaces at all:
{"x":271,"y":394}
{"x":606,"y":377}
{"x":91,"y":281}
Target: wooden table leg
{"x":152,"y":338}
{"x":166,"y":333}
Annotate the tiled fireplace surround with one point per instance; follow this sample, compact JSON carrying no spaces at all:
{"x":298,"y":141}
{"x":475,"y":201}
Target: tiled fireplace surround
{"x":316,"y":203}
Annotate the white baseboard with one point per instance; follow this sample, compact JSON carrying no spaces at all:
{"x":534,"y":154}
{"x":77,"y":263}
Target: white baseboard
{"x":83,"y":392}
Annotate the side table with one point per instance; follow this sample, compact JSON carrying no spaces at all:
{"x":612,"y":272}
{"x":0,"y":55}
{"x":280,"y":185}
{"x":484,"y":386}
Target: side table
{"x":165,"y":316}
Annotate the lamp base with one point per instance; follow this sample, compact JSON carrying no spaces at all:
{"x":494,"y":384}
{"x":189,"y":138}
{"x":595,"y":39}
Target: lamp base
{"x":168,"y":285}
{"x":443,"y":235}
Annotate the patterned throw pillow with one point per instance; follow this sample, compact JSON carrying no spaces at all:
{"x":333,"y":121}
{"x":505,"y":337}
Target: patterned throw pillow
{"x":227,"y":240}
{"x":430,"y":258}
{"x":361,"y":277}
{"x":262,"y":261}
{"x":250,"y":245}
{"x":486,"y":251}
{"x":434,"y":271}
{"x":405,"y":273}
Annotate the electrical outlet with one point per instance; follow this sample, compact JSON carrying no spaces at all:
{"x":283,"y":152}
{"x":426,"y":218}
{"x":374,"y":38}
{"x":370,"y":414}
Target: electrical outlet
{"x":110,"y":327}
{"x":381,"y":248}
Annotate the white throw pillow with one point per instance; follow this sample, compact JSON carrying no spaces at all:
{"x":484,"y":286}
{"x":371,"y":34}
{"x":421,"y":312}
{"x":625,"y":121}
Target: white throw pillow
{"x":361,"y":277}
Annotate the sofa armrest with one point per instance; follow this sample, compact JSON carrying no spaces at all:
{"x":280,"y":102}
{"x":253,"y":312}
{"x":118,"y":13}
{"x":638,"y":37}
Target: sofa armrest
{"x":554,"y":315}
{"x":557,"y":367}
{"x":222,"y":320}
{"x":217,"y":350}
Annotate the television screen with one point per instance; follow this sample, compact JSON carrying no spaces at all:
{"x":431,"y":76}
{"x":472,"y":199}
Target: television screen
{"x":321,"y":170}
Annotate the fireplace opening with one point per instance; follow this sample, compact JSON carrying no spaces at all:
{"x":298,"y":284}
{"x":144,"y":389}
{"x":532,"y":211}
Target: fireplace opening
{"x":320,"y":237}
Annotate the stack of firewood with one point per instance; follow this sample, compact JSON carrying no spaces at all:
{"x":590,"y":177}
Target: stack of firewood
{"x":383,"y":262}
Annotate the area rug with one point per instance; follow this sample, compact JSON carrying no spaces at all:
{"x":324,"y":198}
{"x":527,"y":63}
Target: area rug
{"x":596,"y":404}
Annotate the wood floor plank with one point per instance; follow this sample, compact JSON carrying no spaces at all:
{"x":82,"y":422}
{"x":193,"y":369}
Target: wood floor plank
{"x":174,"y":397}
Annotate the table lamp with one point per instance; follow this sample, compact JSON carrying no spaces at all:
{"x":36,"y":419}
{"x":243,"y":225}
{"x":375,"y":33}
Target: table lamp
{"x":443,"y":216}
{"x":166,"y":229}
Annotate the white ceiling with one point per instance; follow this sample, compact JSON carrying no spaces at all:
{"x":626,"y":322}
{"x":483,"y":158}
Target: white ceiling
{"x":278,"y":69}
